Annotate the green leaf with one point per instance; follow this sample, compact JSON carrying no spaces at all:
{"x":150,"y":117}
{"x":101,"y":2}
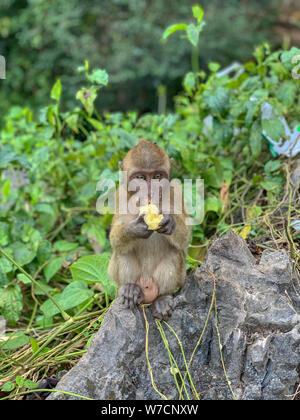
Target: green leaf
{"x":99,"y":77}
{"x":212,"y":204}
{"x":193,"y":34}
{"x":8,"y":386}
{"x":44,"y":251}
{"x":6,"y":189}
{"x":255,"y":140}
{"x":93,"y":269}
{"x":287,"y":92}
{"x":273,"y":128}
{"x":272,"y":165}
{"x":173,"y":28}
{"x":52,"y":268}
{"x":288,"y":56}
{"x":19,"y":381}
{"x":30,"y":384}
{"x":73,"y":295}
{"x":11,"y":303}
{"x":189,"y":82}
{"x":4,"y":234}
{"x":56,"y":90}
{"x":217,"y":100}
{"x":87,"y":97}
{"x":34,"y":345}
{"x":214,"y":67}
{"x":23,"y":278}
{"x":23,"y":253}
{"x":65,"y":246}
{"x":198,"y":13}
{"x":14,"y":340}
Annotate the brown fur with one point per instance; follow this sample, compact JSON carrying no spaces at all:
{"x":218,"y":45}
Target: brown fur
{"x":161,"y":257}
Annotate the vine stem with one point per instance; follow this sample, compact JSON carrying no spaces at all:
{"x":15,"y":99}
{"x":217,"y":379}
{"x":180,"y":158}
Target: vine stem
{"x":63,"y":313}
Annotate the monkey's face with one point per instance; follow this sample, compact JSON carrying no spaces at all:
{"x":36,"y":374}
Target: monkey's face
{"x":151,"y":186}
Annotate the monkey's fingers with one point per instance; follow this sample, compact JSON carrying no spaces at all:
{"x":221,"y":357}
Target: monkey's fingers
{"x":164,"y":221}
{"x":163,"y":307}
{"x":131,"y":295}
{"x":167,"y":226}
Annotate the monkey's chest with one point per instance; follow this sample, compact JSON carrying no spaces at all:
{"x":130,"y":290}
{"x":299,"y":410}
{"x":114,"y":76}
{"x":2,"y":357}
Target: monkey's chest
{"x":150,"y":252}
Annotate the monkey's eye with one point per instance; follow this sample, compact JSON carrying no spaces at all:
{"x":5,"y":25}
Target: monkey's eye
{"x":158,"y":176}
{"x":140,"y":176}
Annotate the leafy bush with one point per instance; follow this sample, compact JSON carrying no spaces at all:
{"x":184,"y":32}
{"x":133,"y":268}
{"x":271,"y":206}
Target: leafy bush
{"x":50,"y":164}
{"x":43,"y":40}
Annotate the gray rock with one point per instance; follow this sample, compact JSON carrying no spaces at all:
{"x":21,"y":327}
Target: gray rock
{"x":259,"y":326}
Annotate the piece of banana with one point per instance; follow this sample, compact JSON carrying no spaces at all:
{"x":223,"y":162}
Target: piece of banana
{"x":152,"y":218}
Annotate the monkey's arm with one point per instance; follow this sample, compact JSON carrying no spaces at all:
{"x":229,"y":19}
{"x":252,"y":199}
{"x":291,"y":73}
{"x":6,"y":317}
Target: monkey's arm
{"x":181,"y":234}
{"x":124,"y":232}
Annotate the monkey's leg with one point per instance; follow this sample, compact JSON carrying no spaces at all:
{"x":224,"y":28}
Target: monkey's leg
{"x":128,"y":273}
{"x":131,"y":295}
{"x":168,"y":276}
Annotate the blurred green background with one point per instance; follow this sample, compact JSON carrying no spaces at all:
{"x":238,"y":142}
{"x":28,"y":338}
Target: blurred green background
{"x":42,"y":40}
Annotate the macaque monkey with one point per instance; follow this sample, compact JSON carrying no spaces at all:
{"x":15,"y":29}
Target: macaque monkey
{"x":148,"y":265}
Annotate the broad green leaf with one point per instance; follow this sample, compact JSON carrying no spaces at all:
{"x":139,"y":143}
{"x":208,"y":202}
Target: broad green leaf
{"x":44,"y":251}
{"x":5,"y":265}
{"x":93,"y":269}
{"x":30,"y":384}
{"x":52,"y":268}
{"x":273,"y":128}
{"x":87,"y":97}
{"x":56,"y":90}
{"x":11,"y":303}
{"x":217,"y":100}
{"x":287,"y":92}
{"x":8,"y":386}
{"x":65,"y":246}
{"x":73,"y":295}
{"x":23,"y":253}
{"x":272,"y":165}
{"x":98,"y":125}
{"x":288,"y":56}
{"x":23,"y":278}
{"x":212,"y":204}
{"x":14,"y":340}
{"x":173,"y":28}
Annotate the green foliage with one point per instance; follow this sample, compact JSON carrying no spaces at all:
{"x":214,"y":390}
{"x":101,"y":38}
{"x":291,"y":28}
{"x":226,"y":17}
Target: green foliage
{"x":50,"y":164}
{"x":44,"y":40}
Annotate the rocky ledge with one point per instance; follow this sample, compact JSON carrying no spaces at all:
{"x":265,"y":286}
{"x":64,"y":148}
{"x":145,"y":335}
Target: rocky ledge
{"x":258,"y":313}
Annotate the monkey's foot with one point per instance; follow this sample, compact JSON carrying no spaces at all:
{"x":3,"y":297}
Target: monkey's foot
{"x":163,"y":307}
{"x":131,"y":295}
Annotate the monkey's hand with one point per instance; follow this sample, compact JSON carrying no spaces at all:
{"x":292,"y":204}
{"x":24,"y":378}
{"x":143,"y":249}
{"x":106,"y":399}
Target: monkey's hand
{"x":138,"y":228}
{"x":131,"y":295}
{"x":167,"y":225}
{"x":163,"y":307}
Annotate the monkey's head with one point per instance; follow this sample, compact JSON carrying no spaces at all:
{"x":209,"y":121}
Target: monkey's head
{"x":147,"y":162}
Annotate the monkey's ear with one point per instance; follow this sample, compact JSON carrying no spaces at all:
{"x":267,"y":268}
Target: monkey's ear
{"x":121,"y":164}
